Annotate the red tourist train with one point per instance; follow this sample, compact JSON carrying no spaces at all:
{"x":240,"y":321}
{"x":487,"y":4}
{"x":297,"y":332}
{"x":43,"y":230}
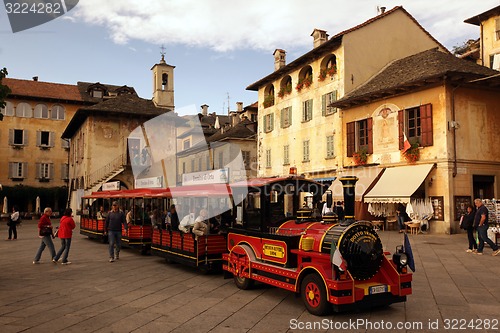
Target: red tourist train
{"x":275,"y":235}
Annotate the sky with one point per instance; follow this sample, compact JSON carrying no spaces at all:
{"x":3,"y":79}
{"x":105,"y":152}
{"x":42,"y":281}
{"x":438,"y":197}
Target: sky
{"x":218,"y":47}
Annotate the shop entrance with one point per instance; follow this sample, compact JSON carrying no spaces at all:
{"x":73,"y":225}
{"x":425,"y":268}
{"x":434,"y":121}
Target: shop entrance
{"x":483,"y":186}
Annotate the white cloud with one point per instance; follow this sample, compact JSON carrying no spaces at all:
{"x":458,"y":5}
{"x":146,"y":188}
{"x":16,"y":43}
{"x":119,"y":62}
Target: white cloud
{"x":225,"y":25}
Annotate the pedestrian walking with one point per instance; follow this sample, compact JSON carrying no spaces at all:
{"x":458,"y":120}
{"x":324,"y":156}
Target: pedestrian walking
{"x":481,"y":224}
{"x":467,"y":223}
{"x":66,"y":226}
{"x":13,"y":222}
{"x":114,"y":222}
{"x":45,"y":233}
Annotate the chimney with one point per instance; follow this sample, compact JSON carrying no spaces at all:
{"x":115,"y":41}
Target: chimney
{"x":35,"y":78}
{"x":381,"y":10}
{"x":204,"y":109}
{"x":320,"y":36}
{"x":235,"y":119}
{"x":279,"y":59}
{"x":239,"y":106}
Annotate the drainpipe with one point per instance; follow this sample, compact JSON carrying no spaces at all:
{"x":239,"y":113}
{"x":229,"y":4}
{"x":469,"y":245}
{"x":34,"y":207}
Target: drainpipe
{"x":454,"y":128}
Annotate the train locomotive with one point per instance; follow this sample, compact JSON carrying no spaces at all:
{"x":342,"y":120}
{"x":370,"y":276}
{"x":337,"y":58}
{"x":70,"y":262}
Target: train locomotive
{"x":339,"y":265}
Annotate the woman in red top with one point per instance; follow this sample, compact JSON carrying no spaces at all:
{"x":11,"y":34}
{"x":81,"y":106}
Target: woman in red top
{"x":46,"y":238}
{"x":65,"y":232}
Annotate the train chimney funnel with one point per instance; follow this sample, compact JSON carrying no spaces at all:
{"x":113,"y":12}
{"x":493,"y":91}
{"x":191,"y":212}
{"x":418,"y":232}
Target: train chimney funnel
{"x":349,"y":184}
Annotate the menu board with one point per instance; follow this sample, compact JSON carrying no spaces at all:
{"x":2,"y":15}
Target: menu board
{"x":461,"y":203}
{"x":438,"y":204}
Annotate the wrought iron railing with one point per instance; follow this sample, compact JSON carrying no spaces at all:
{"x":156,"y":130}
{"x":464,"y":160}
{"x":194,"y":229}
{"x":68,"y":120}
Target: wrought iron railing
{"x":101,"y":174}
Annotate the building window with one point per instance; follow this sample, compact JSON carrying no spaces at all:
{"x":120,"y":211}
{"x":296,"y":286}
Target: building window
{"x":44,"y":171}
{"x":24,"y":110}
{"x":362,"y":134}
{"x":18,"y":170}
{"x":330,"y":151}
{"x":245,"y":154}
{"x":8,"y":109}
{"x":359,"y":136}
{"x":268,"y":122}
{"x":305,"y":151}
{"x":45,"y":139}
{"x":286,"y":155}
{"x":97,"y":93}
{"x":307,"y":108}
{"x":18,"y":137}
{"x":268,"y":158}
{"x":41,"y":111}
{"x":326,"y":100}
{"x":58,"y":112}
{"x":65,"y":171}
{"x":286,"y":117}
{"x":416,"y":123}
{"x":186,"y":144}
{"x":269,"y":96}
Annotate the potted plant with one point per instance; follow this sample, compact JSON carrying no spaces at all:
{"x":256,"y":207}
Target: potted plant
{"x":285,"y":90}
{"x":412,"y":154}
{"x":330,"y":71}
{"x":269,"y":100}
{"x":360,"y":157}
{"x":304,"y":82}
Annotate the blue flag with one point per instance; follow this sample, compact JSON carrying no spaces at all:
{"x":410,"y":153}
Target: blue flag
{"x":409,"y":253}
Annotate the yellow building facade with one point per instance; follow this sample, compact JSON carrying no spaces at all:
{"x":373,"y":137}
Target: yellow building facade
{"x":489,"y":41}
{"x":297,"y":126}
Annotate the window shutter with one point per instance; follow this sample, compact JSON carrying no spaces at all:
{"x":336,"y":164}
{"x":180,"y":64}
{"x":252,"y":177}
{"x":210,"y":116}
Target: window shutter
{"x":51,"y":139}
{"x":25,"y":138}
{"x":11,"y":136}
{"x":271,"y":121}
{"x":304,"y":110}
{"x":24,"y":170}
{"x":289,"y":116}
{"x":401,"y":128}
{"x":323,"y":105}
{"x":369,"y":125}
{"x":426,"y":125}
{"x":351,"y":138}
{"x":334,"y":99}
{"x":11,"y":169}
{"x":310,"y":110}
{"x":39,"y":170}
{"x":282,"y":119}
{"x":265,"y":124}
{"x":51,"y":170}
{"x":38,"y":138}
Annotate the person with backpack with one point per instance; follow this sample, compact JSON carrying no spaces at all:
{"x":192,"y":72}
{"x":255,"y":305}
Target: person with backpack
{"x":14,"y":221}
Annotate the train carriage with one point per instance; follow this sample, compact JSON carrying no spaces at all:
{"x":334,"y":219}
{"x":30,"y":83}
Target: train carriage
{"x":142,"y":202}
{"x":204,"y":252}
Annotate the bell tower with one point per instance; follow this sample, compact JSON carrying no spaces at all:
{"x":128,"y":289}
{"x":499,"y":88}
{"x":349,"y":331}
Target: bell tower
{"x":163,"y":83}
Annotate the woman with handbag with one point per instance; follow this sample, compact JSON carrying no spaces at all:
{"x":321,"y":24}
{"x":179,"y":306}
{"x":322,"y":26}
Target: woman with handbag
{"x":14,"y":220}
{"x":45,"y":233}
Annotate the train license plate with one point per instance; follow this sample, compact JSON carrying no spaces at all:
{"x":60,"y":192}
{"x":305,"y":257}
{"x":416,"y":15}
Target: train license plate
{"x":378,"y":289}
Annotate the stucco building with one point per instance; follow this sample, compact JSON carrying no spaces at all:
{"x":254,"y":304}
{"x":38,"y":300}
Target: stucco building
{"x":298,"y":127}
{"x":489,"y":37}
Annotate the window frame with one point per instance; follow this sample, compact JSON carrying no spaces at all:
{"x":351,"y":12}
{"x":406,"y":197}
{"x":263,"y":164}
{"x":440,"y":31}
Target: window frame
{"x":268,"y":158}
{"x":307,"y":110}
{"x":306,"y":151}
{"x":26,"y":109}
{"x":60,"y":111}
{"x":268,"y":122}
{"x":330,"y":146}
{"x":326,"y":100}
{"x":44,"y":109}
{"x":21,"y":170}
{"x":286,"y":155}
{"x":286,"y":117}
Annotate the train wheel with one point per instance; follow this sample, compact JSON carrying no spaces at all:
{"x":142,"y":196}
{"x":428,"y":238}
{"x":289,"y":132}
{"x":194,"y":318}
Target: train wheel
{"x":243,"y":282}
{"x":313,"y":294}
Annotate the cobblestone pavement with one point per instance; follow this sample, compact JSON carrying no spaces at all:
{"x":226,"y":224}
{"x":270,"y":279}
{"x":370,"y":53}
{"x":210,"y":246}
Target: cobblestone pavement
{"x":145,"y":294}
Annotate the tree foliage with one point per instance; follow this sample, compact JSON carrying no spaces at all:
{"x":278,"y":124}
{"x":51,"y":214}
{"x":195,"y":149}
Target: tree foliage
{"x":4,"y":90}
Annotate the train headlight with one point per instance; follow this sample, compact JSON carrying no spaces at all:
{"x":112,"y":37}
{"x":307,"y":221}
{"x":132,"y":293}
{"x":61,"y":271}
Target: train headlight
{"x":400,"y":259}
